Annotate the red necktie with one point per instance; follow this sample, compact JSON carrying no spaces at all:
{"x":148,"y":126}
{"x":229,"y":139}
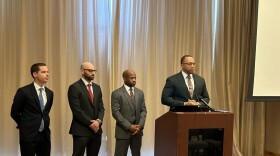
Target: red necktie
{"x":90,"y":93}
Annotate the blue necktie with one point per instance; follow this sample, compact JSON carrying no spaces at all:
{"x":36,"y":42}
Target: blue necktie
{"x":42,"y":108}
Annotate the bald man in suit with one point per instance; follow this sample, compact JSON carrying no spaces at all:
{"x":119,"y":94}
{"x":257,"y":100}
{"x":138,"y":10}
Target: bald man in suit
{"x":30,"y":110}
{"x":129,"y":111}
{"x":85,"y":100}
{"x":179,"y":92}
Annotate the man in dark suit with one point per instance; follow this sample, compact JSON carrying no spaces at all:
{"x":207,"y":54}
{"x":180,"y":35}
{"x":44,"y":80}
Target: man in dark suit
{"x":129,"y":110}
{"x":30,"y":110}
{"x":185,"y":87}
{"x":85,"y":100}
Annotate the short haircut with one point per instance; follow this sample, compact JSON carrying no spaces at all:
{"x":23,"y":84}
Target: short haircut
{"x":125,"y":74}
{"x":35,"y":68}
{"x":183,"y":58}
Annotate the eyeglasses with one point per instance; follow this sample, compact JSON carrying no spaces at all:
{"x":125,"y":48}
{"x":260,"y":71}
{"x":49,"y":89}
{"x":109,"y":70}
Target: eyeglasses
{"x":190,"y":63}
{"x":91,"y":70}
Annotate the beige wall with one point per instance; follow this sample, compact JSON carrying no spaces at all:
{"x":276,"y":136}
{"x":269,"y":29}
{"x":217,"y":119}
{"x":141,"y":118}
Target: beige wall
{"x":272,"y":134}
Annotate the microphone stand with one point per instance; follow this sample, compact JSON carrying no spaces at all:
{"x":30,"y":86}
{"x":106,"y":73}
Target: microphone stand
{"x":205,"y":104}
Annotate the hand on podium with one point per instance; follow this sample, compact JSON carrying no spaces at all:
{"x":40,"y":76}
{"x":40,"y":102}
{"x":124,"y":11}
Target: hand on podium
{"x":191,"y":103}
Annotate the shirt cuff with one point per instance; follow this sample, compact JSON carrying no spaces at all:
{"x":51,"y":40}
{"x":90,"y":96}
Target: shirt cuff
{"x":100,"y":122}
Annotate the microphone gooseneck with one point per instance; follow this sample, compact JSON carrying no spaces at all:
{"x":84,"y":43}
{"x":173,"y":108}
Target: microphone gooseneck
{"x":200,"y":98}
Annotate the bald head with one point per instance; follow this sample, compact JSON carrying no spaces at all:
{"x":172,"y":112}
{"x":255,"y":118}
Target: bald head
{"x":129,"y":77}
{"x":87,"y":71}
{"x":127,"y":72}
{"x":87,"y":65}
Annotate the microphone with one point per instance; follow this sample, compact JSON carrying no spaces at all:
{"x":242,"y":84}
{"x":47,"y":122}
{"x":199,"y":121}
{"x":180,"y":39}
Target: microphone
{"x":200,"y":98}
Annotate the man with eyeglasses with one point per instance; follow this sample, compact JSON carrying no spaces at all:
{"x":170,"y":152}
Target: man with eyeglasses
{"x":185,"y":88}
{"x":85,"y":100}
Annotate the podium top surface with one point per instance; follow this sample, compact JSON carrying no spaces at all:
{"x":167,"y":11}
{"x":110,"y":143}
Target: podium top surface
{"x":178,"y":114}
{"x":225,"y":112}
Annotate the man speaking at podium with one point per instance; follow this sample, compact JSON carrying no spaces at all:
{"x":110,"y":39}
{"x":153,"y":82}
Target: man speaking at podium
{"x":185,"y":88}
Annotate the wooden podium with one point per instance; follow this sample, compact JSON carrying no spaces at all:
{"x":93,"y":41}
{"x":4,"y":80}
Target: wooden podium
{"x":172,"y":128}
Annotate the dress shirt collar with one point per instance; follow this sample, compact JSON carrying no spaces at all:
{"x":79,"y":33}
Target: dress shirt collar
{"x":127,"y":88}
{"x":85,"y":82}
{"x":37,"y":87}
{"x":185,"y":75}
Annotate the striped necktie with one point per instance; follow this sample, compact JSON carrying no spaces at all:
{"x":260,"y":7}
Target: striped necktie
{"x":190,"y":85}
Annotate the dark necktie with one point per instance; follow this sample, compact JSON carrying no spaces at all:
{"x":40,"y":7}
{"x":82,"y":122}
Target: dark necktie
{"x":90,"y":93}
{"x":190,"y":85}
{"x":41,"y":99}
{"x":131,"y":93}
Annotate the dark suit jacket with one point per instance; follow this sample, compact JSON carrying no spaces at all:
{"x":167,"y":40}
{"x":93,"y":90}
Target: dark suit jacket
{"x":175,"y":91}
{"x":27,"y":113}
{"x":82,"y":109}
{"x":125,"y":113}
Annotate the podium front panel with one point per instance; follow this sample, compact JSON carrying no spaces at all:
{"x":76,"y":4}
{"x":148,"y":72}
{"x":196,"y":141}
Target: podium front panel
{"x":172,"y":129}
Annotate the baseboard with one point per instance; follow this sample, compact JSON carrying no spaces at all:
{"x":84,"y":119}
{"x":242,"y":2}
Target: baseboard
{"x":268,"y":153}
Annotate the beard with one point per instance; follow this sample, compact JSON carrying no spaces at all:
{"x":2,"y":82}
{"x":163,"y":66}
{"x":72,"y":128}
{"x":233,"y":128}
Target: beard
{"x":131,"y":84}
{"x":88,"y":77}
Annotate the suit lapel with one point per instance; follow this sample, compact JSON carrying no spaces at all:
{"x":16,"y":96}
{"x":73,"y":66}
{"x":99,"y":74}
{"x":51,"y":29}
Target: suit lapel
{"x":128,"y":98}
{"x":35,"y":95}
{"x":181,"y":80}
{"x":84,"y":89}
{"x":48,"y":93}
{"x":94,"y":92}
{"x":137,"y":99}
{"x":195,"y":84}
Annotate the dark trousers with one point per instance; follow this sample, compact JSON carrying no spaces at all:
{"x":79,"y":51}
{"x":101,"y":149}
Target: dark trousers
{"x":41,"y":146}
{"x":135,"y":143}
{"x":91,"y":144}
